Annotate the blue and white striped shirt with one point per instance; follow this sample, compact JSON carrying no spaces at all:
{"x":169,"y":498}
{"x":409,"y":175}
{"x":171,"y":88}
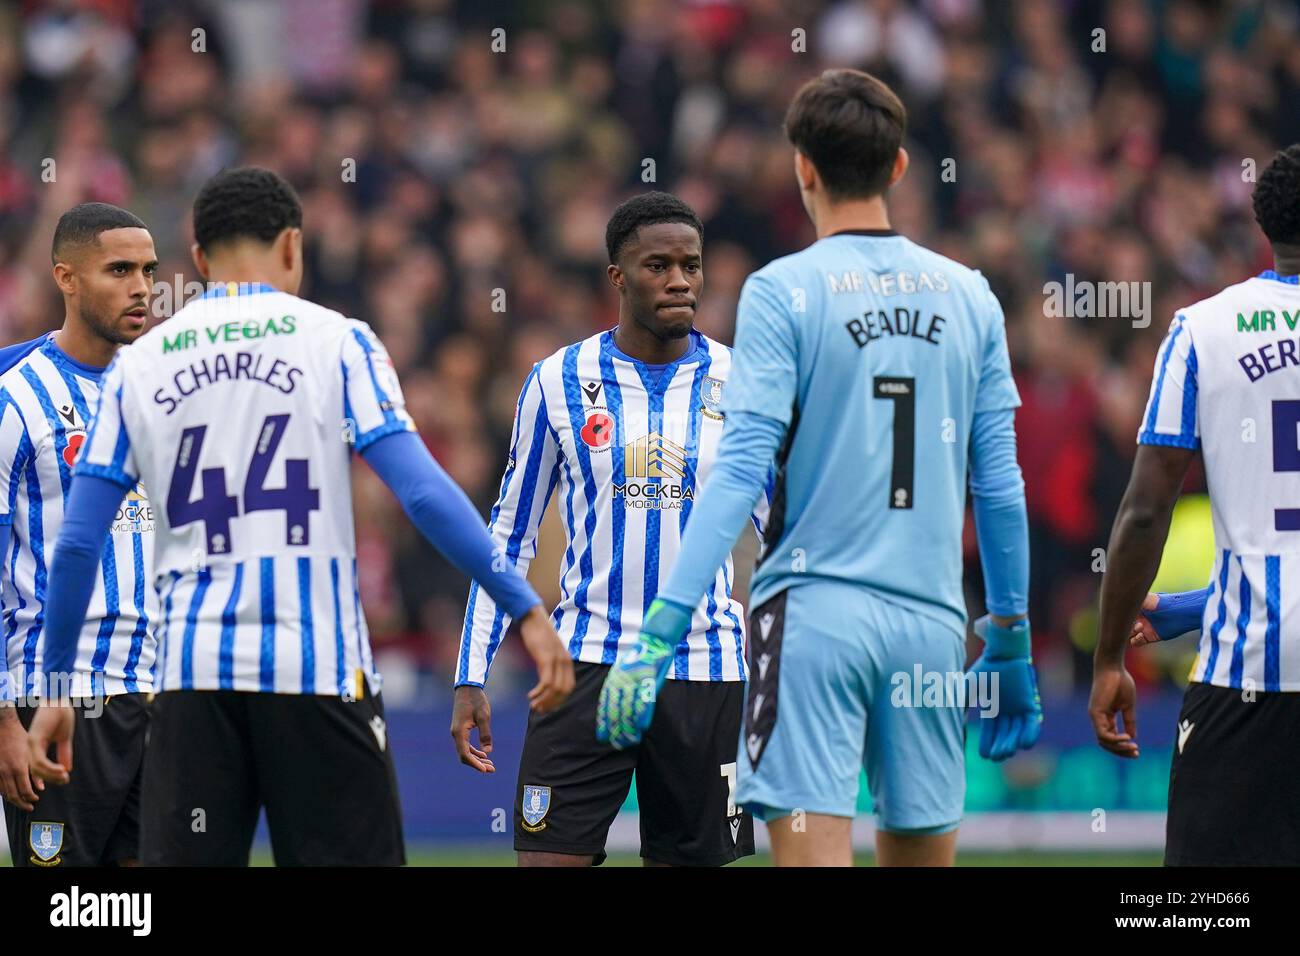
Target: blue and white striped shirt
{"x":45,"y":403}
{"x":242,"y":411}
{"x":628,"y":447}
{"x":1225,"y":382}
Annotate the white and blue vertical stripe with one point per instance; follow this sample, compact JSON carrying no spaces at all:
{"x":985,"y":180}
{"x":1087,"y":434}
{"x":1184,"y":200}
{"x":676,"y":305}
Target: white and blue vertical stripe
{"x":47,"y":400}
{"x":1170,"y":417}
{"x":616,"y":555}
{"x":1241,"y":636}
{"x":224,"y":627}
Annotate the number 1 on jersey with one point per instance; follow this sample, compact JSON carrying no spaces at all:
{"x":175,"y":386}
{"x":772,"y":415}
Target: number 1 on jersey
{"x":902,"y":392}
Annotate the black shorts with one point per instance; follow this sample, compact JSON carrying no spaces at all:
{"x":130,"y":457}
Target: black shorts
{"x":320,"y":765}
{"x":94,"y":820}
{"x":1234,"y":785}
{"x":571,"y":786}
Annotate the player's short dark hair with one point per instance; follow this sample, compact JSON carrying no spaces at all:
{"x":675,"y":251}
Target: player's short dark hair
{"x":247,"y":202}
{"x":646,"y":209}
{"x":81,"y":226}
{"x":851,"y":126}
{"x":1277,"y":197}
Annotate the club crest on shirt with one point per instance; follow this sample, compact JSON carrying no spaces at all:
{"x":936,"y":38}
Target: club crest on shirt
{"x":537,"y":800}
{"x":711,"y":396}
{"x":46,"y":840}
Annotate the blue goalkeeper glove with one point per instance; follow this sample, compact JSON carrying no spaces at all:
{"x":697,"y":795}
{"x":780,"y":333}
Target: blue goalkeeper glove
{"x":627,"y":699}
{"x":1019,"y":717}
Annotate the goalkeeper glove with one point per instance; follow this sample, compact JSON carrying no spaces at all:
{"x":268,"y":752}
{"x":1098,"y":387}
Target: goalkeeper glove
{"x":627,"y":699}
{"x":1019,"y":717}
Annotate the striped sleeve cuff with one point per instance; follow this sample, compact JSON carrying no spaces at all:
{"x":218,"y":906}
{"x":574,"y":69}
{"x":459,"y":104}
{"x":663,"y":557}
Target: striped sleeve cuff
{"x":1190,"y":442}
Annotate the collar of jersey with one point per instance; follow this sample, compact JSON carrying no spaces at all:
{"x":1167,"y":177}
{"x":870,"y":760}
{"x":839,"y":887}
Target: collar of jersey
{"x":1270,"y":274}
{"x":59,"y":357}
{"x":654,"y":376}
{"x":237,"y":288}
{"x":879,"y":233}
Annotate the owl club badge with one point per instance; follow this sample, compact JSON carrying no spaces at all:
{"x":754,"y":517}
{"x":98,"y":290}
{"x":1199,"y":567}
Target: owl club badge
{"x":46,"y":840}
{"x":537,"y":800}
{"x":711,"y":397}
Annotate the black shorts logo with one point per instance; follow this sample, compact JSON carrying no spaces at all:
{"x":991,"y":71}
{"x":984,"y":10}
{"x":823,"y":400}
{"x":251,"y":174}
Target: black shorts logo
{"x":766,"y":627}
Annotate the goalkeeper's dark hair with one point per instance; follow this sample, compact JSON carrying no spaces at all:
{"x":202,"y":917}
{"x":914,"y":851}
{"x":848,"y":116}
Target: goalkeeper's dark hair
{"x":81,"y":226}
{"x":646,"y":209}
{"x":1277,"y":198}
{"x":247,"y":202}
{"x":850,"y":125}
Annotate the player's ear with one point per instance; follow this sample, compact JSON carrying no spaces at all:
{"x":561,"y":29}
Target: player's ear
{"x":292,"y":251}
{"x":615,"y":276}
{"x":64,"y":278}
{"x":901,"y":162}
{"x":804,"y":171}
{"x":200,"y":260}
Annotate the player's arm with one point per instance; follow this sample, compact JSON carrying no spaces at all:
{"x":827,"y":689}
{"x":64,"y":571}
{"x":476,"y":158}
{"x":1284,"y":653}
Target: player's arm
{"x":385,"y":436}
{"x":526,"y":489}
{"x":1002,"y":529}
{"x":1167,"y":443}
{"x":759,"y":403}
{"x":17,"y":785}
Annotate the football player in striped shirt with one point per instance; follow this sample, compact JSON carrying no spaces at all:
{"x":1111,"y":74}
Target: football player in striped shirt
{"x":104,"y":266}
{"x":241,"y":414}
{"x":622,"y":428}
{"x":1225,"y":385}
{"x":873,"y":371}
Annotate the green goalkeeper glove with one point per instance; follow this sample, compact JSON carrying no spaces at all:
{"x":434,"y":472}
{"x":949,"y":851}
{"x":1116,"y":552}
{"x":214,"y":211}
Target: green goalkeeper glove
{"x":627,"y":699}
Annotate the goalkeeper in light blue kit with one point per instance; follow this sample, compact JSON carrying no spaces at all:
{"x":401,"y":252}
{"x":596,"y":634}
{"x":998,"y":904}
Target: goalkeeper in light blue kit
{"x":874,"y":372}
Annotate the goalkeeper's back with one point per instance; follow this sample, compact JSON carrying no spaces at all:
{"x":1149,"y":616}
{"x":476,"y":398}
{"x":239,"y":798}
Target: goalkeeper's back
{"x":894,"y":349}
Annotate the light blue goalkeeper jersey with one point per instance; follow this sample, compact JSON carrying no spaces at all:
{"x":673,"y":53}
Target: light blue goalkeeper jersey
{"x":876,"y":353}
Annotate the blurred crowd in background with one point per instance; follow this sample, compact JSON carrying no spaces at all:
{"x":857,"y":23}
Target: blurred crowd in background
{"x":436,"y":170}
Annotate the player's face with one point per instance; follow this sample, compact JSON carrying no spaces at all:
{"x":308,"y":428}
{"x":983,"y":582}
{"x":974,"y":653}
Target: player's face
{"x":113,"y":281}
{"x":663,"y":274}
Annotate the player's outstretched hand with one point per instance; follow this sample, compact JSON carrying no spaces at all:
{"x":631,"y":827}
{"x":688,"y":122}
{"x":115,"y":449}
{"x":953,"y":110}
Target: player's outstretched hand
{"x":16,"y":782}
{"x":1144,"y":631}
{"x":53,"y":724}
{"x":627,"y":698}
{"x":1114,"y":694}
{"x":1167,"y":616}
{"x":471,"y":710}
{"x":554,"y":665}
{"x":1019,"y":717}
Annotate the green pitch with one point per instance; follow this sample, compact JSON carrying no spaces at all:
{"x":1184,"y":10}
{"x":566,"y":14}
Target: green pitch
{"x":430,"y":855}
{"x":424,"y":855}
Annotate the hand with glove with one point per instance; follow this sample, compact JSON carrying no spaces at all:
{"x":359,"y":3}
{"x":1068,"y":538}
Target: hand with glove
{"x":1019,"y":714}
{"x":627,"y":699}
